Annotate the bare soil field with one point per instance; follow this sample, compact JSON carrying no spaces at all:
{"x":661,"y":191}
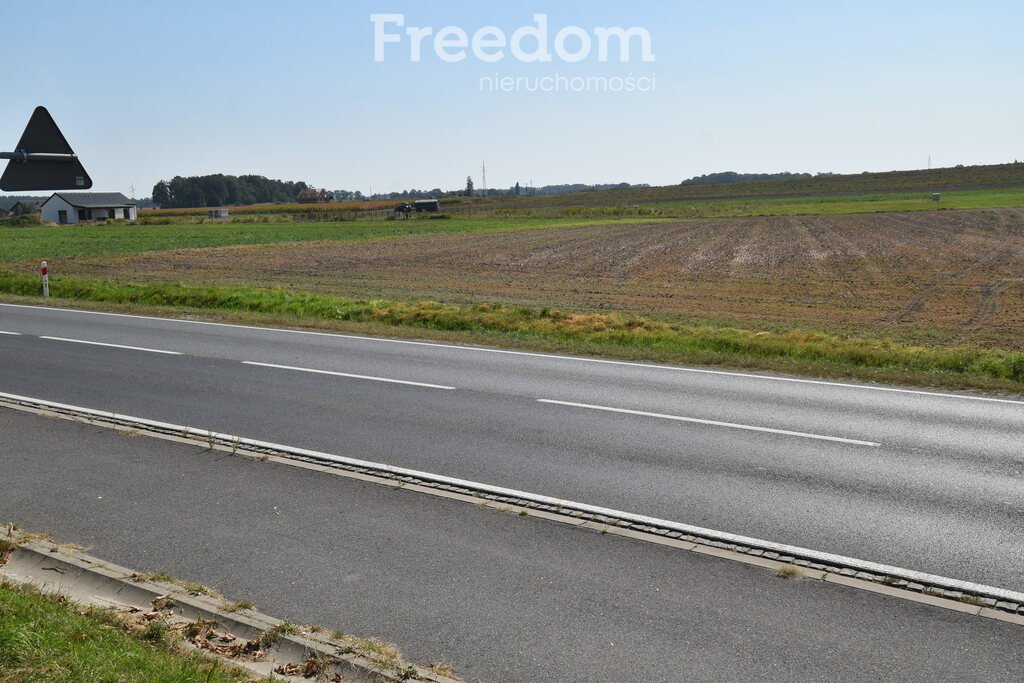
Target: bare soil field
{"x":938,"y":277}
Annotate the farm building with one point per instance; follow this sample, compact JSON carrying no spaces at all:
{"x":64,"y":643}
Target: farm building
{"x":217,"y":213}
{"x":22,"y":208}
{"x":4,"y":212}
{"x":68,"y":208}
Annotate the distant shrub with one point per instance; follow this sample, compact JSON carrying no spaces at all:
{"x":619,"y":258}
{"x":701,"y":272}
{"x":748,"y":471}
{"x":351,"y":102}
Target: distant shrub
{"x":23,"y":221}
{"x":247,"y":219}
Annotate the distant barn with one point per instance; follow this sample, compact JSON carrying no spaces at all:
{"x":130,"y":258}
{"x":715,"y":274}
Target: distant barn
{"x":22,"y":208}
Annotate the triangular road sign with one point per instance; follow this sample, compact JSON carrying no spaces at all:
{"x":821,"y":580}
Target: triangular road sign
{"x":42,"y":136}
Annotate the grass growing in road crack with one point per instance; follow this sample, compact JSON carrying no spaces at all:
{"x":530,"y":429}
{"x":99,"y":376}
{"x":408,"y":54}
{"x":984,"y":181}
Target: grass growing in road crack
{"x":442,"y":669}
{"x":189,"y":586}
{"x":238,"y":606}
{"x":789,"y":572}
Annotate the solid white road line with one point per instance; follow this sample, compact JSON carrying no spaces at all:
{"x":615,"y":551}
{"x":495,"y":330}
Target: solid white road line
{"x":348,"y":374}
{"x":113,"y":346}
{"x":580,"y":359}
{"x":13,"y":334}
{"x":713,"y":423}
{"x":204,"y":435}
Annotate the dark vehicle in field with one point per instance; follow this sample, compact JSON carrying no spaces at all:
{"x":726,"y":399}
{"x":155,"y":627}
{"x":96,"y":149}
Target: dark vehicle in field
{"x":419,"y":206}
{"x":427,"y":206}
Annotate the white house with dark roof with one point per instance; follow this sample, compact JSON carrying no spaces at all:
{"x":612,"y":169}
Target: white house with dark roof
{"x":68,"y":208}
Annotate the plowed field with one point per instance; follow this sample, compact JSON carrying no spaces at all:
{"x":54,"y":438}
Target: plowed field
{"x":946,"y":277}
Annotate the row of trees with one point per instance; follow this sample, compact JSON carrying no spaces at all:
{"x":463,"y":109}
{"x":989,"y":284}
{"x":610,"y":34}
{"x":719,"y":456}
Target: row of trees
{"x":221,"y":190}
{"x":470,"y":191}
{"x":228,"y":190}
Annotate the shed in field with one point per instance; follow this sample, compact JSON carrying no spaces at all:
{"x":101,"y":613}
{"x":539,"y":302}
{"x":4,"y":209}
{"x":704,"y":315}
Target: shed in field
{"x":68,"y":208}
{"x":217,"y":213}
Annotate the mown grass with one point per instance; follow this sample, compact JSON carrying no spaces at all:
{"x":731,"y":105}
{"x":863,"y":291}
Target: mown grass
{"x":294,"y":207}
{"x":48,"y":242}
{"x":615,"y":335}
{"x":45,"y":638}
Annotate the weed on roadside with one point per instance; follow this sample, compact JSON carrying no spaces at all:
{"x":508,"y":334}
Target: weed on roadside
{"x":789,"y":572}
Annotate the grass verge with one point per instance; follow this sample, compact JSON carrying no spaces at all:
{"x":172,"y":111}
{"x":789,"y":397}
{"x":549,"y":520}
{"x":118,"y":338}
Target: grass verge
{"x":47,"y":638}
{"x":628,"y":337}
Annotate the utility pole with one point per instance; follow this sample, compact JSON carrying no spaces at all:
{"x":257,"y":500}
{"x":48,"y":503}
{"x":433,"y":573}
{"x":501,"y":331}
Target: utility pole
{"x":483,"y":178}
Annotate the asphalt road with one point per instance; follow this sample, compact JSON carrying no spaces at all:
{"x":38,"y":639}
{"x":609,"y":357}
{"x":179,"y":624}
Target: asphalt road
{"x":920,"y":480}
{"x":502,"y":597}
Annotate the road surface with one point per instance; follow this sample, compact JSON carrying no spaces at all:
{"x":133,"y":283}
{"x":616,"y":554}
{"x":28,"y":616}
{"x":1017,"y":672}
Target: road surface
{"x":502,"y":597}
{"x":923,"y":480}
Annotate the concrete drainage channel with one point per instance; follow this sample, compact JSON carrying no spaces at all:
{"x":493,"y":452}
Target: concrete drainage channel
{"x":962,"y":596}
{"x":259,"y":643}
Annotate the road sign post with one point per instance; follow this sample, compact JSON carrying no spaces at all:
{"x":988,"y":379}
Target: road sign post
{"x":45,"y":272}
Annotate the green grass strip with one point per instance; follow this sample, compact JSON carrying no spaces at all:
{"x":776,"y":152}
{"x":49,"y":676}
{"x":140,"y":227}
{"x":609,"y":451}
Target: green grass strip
{"x":50,"y":242}
{"x":607,"y":334}
{"x":45,"y":638}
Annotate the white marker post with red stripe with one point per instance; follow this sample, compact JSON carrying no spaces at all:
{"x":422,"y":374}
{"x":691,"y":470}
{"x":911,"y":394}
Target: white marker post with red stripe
{"x":45,"y":272}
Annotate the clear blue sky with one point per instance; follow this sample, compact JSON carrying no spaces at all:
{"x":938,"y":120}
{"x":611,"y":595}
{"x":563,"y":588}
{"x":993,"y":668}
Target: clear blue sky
{"x":147,"y":90}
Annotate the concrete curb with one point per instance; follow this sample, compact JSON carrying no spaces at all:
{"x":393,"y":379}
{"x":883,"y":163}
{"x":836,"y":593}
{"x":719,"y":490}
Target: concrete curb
{"x":89,"y":580}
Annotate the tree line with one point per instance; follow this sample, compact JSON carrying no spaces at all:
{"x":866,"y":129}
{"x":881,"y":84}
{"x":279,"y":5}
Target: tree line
{"x":228,"y":190}
{"x":222,"y":190}
{"x":470,"y":190}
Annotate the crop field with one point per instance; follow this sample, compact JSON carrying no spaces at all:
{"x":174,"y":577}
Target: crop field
{"x":947,"y":278}
{"x":52,"y":242}
{"x":187,"y":232}
{"x":969,"y":178}
{"x":600,"y":204}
